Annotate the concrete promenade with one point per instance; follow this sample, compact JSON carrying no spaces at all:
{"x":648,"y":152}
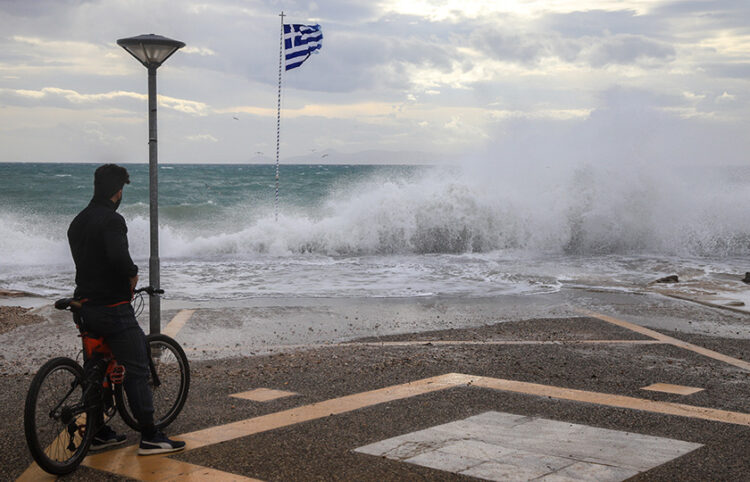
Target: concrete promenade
{"x":575,"y":386}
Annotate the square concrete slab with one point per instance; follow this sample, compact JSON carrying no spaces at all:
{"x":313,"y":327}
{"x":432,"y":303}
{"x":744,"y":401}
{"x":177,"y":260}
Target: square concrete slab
{"x":503,"y":446}
{"x":262,"y":394}
{"x":676,"y":389}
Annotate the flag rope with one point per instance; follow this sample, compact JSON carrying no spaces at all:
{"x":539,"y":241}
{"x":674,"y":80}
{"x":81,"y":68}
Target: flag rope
{"x":278,"y":114}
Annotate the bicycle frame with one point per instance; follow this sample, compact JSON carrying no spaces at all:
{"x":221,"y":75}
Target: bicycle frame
{"x":95,"y":347}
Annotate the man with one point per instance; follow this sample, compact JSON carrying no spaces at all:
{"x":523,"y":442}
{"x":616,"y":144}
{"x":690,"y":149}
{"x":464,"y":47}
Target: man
{"x":105,"y":278}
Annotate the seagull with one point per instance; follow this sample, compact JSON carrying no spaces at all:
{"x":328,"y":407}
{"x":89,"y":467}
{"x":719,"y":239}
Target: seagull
{"x":235,"y":118}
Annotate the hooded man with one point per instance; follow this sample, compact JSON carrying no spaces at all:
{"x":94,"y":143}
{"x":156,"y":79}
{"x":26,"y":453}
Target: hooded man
{"x":105,"y":279}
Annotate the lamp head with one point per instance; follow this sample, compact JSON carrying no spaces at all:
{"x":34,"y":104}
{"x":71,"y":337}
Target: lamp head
{"x":150,"y":50}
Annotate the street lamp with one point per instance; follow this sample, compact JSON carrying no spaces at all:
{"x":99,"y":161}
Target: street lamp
{"x":152,"y":50}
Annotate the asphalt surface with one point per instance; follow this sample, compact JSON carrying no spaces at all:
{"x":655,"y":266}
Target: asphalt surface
{"x":322,"y":449}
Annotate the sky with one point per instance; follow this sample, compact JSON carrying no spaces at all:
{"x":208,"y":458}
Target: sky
{"x":397,"y":81}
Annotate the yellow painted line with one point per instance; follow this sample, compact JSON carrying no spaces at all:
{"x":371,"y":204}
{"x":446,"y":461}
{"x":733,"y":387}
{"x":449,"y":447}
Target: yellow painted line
{"x":335,"y":406}
{"x":263,"y":394}
{"x":127,"y":462}
{"x":176,"y":324}
{"x":675,"y":389}
{"x":35,"y":473}
{"x":619,"y":401}
{"x":669,"y":340}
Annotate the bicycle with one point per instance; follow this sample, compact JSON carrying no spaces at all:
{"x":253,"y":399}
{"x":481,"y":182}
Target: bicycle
{"x":65,"y":403}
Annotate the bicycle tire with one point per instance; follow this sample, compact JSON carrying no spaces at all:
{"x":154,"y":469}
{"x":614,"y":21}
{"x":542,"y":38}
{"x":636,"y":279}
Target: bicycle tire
{"x":59,"y":441}
{"x":173,"y":371}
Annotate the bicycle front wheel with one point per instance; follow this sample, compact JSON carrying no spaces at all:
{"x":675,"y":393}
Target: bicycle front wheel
{"x":58,"y":426}
{"x":169,"y":381}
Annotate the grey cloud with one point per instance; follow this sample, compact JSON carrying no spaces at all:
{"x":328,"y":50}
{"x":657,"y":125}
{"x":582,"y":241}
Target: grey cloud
{"x":704,"y":17}
{"x":710,"y":8}
{"x":597,"y":38}
{"x":597,"y":51}
{"x":502,"y":44}
{"x":354,"y":60}
{"x":598,"y":23}
{"x":740,"y":70}
{"x":31,"y":8}
{"x":627,"y":49}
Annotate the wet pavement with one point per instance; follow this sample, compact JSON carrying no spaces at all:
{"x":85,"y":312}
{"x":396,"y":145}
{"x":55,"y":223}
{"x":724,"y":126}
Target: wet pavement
{"x":358,"y":373}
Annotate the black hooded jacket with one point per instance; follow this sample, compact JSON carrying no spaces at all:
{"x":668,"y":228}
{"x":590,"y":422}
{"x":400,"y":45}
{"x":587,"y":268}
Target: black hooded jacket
{"x":99,"y":244}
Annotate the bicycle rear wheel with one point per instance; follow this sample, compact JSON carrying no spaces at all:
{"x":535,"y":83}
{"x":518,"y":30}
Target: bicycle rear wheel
{"x":170,"y":386}
{"x":57,"y":424}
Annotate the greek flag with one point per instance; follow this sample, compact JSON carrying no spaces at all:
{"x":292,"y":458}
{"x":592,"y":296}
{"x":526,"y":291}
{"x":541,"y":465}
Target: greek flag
{"x":299,"y":42}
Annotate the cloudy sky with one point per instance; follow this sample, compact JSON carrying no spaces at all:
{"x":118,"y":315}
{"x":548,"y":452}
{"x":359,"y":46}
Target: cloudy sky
{"x":396,"y":80}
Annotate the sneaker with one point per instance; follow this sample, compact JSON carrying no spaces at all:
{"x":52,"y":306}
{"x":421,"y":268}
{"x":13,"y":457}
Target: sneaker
{"x":159,"y":444}
{"x":106,"y":437}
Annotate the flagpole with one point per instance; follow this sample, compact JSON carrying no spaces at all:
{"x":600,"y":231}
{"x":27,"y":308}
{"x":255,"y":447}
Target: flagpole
{"x":278,"y":113}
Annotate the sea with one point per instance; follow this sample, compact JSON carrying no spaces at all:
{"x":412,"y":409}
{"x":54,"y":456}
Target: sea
{"x":470,"y":229}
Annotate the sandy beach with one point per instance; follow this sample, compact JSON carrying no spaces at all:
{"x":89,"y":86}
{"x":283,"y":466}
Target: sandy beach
{"x":14,"y":316}
{"x":324,"y":349}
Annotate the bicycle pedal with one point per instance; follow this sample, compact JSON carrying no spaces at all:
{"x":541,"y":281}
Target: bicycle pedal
{"x":118,"y":374}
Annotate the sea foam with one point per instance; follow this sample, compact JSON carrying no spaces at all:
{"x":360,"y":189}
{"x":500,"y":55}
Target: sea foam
{"x":449,"y":211}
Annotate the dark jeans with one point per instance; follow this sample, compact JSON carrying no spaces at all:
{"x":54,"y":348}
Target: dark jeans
{"x":120,"y":330}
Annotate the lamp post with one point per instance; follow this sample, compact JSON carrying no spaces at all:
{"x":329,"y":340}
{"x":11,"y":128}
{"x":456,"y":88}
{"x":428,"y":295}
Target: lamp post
{"x":152,"y":50}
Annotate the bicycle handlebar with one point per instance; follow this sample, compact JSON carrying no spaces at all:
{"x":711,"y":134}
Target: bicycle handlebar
{"x":75,"y":305}
{"x":150,"y":290}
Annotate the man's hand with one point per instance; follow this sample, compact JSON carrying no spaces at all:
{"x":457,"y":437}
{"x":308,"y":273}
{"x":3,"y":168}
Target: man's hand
{"x":133,"y":283}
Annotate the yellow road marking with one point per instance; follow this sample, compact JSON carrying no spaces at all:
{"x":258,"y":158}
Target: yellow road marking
{"x":676,"y":389}
{"x":669,"y":340}
{"x":619,"y":401}
{"x":335,"y":406}
{"x":176,"y":324}
{"x":35,"y":473}
{"x":157,"y":467}
{"x":263,"y":394}
{"x":127,"y":462}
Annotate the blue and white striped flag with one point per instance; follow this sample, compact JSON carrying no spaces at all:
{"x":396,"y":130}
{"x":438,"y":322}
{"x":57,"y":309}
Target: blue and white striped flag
{"x":299,"y":42}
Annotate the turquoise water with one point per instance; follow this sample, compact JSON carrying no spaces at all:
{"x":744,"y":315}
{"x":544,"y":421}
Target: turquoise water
{"x":186,"y":192}
{"x":476,"y":229}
